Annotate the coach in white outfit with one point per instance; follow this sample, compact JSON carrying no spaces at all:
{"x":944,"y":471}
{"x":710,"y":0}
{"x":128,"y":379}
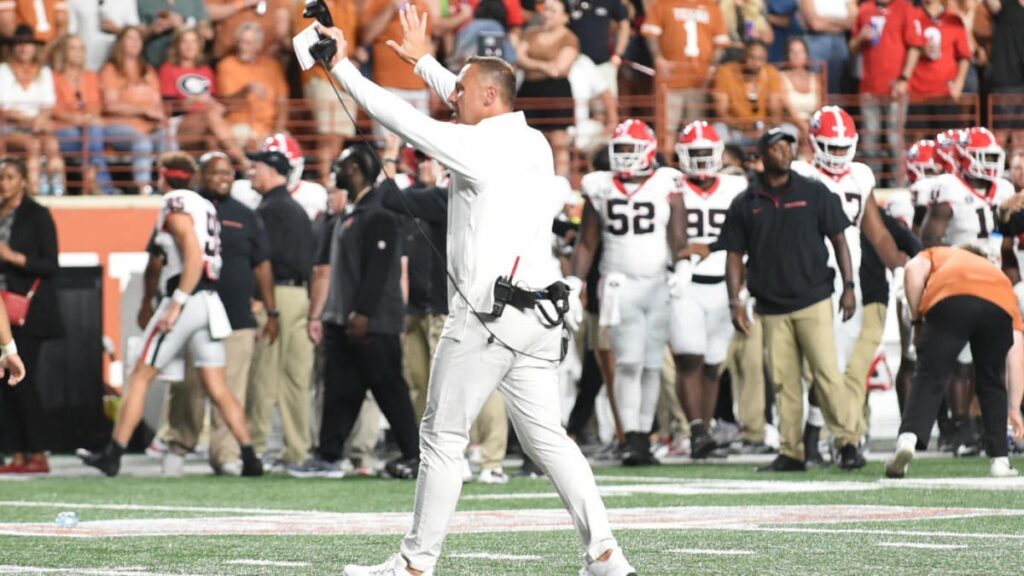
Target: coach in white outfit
{"x":501,"y":203}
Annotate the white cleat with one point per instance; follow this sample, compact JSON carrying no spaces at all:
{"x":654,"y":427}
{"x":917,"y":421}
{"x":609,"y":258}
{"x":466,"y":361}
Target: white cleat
{"x":394,"y":566}
{"x":906,"y":445}
{"x":493,"y":476}
{"x":173,"y":465}
{"x":615,"y":565}
{"x":1001,"y":468}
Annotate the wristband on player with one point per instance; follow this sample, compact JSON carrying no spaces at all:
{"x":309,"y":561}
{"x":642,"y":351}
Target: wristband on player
{"x":849,"y":285}
{"x":273,"y":313}
{"x":180,"y":297}
{"x":9,"y":349}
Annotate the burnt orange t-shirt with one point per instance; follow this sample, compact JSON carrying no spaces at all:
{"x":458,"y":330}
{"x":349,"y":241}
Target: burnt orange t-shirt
{"x":224,"y":31}
{"x":688,"y":31}
{"x":748,"y":102}
{"x":957,"y":272}
{"x":259,"y":111}
{"x":389,"y":70}
{"x":44,"y":23}
{"x":82,"y":97}
{"x":144,"y":91}
{"x":346,"y":18}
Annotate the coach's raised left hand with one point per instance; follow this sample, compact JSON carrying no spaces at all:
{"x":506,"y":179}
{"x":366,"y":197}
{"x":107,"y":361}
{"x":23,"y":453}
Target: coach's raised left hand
{"x":339,"y":37}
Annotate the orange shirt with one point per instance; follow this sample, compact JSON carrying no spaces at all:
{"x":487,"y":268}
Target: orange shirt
{"x":389,"y":70}
{"x":44,"y":22}
{"x":144,"y":91}
{"x":83,"y":97}
{"x":688,"y":32}
{"x":224,"y":31}
{"x":258,"y":111}
{"x":957,"y":272}
{"x":747,"y":102}
{"x":346,"y":18}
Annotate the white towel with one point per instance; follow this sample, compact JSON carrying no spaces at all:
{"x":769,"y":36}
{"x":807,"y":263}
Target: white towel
{"x":220,"y":326}
{"x":611,"y":286}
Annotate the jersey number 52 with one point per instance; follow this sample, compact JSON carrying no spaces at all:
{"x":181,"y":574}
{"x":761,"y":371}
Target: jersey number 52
{"x":619,"y":217}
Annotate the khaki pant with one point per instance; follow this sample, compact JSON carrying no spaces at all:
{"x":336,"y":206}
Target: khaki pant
{"x":281,"y":376}
{"x":671,"y":418}
{"x":187,"y":402}
{"x":417,"y":350}
{"x":745,"y":363}
{"x":789,"y":338}
{"x":864,"y":352}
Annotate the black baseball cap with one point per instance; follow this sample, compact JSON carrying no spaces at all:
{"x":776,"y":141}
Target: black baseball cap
{"x":770,"y":137}
{"x":273,"y":158}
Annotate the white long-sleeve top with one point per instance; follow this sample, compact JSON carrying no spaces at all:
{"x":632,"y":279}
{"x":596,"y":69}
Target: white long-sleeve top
{"x":503,"y":193}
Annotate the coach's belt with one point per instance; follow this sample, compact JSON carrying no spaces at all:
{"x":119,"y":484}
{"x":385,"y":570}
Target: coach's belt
{"x":289,"y":282}
{"x":707,"y":279}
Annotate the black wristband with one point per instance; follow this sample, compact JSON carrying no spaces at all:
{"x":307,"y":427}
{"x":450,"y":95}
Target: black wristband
{"x":273,"y":313}
{"x":917,"y":322}
{"x":849,"y":285}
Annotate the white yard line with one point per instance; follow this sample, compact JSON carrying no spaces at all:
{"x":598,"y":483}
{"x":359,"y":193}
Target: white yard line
{"x":882,"y":532}
{"x":921,"y":545}
{"x":713,"y":552}
{"x":489,"y":556}
{"x":9,"y":569}
{"x":157,"y":508}
{"x":278,"y":563}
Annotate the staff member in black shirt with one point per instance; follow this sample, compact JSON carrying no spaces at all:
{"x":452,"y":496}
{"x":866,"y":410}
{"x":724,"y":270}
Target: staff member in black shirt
{"x":363,"y":319}
{"x":281,"y":371}
{"x":780,"y":223}
{"x":245,"y":252}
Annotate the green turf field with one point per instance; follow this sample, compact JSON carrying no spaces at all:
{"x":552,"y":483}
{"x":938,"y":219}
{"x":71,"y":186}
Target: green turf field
{"x":946,"y":518}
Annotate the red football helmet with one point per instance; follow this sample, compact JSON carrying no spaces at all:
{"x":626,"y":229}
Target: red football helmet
{"x":699,"y":150}
{"x":833,"y":137}
{"x":632,"y":149}
{"x":923,"y":161}
{"x":979,"y":154}
{"x":289,"y":146}
{"x":945,"y":150}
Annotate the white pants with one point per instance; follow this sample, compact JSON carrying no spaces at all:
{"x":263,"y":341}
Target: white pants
{"x":848,"y":332}
{"x":642,"y":332}
{"x":701,"y":323}
{"x":463,"y":375}
{"x":191,"y":329}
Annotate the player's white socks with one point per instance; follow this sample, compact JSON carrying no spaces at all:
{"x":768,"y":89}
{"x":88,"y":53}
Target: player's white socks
{"x":815,"y":417}
{"x":628,"y":397}
{"x":650,"y":391}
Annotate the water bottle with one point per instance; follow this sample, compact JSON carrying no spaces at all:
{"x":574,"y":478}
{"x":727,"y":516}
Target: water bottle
{"x":67,"y":520}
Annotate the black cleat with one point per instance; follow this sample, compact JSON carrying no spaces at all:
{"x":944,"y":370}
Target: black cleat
{"x":638,"y":450}
{"x":530,"y":469}
{"x":702,"y":446}
{"x":105,"y":461}
{"x":252,"y":467}
{"x":407,"y":469}
{"x":783,"y":463}
{"x":850,"y":458}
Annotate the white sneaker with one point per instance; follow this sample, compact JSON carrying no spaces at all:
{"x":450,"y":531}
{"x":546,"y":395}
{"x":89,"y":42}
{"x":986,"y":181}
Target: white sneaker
{"x":493,"y":476}
{"x":467,"y":472}
{"x":1001,"y":468}
{"x":231,"y":469}
{"x":174,"y":465}
{"x":394,"y":566}
{"x":906,"y":445}
{"x":157,"y":448}
{"x":615,"y":565}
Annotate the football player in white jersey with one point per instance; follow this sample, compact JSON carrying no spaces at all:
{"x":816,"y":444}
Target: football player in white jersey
{"x":833,"y":138}
{"x":701,"y":323}
{"x":310,"y":195}
{"x":188,"y":231}
{"x":641,"y":222}
{"x":962,"y":210}
{"x":926,"y":159}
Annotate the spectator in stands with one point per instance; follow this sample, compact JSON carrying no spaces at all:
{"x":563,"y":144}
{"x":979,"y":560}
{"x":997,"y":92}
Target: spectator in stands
{"x":486,"y":32}
{"x":27,"y":99}
{"x":47,"y":20}
{"x":1017,"y":170}
{"x":274,"y":16}
{"x":945,"y":53}
{"x":747,"y":94}
{"x":1007,"y":70}
{"x":86,"y":22}
{"x":379,"y":23}
{"x":827,"y":23}
{"x":258,"y":85}
{"x":186,"y":83}
{"x":78,"y":115}
{"x":593,"y":124}
{"x":134,"y":114}
{"x":592,"y":23}
{"x":683,"y":54}
{"x":165,"y":18}
{"x":115,"y":15}
{"x":783,"y":15}
{"x":333,"y":122}
{"x":28,"y":262}
{"x":884,"y":35}
{"x":801,"y":85}
{"x":745,"y":20}
{"x":546,"y":54}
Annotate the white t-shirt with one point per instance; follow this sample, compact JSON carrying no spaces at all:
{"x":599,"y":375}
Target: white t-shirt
{"x":86,"y":20}
{"x":634,"y":220}
{"x":38,"y":95}
{"x":587,"y":83}
{"x":836,"y":9}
